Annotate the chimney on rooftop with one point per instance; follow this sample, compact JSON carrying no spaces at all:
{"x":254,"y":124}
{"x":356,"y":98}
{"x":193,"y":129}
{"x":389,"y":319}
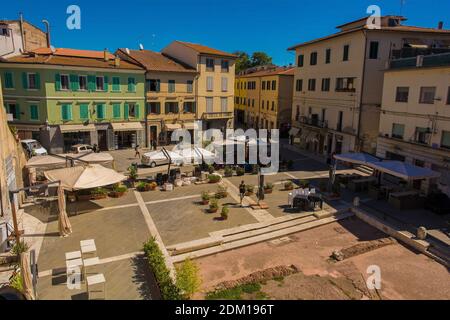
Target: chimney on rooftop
{"x":117,"y":61}
{"x":441,"y":25}
{"x":106,"y":55}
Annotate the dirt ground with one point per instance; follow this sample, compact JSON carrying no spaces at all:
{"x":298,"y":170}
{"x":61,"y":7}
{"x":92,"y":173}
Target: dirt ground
{"x":404,"y":274}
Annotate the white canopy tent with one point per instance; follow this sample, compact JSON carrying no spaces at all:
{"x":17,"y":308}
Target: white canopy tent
{"x":161,"y":156}
{"x":63,"y":160}
{"x":195,"y":154}
{"x":405,"y":170}
{"x":85,"y":177}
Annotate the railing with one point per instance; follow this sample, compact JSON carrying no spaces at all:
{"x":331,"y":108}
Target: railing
{"x":217,"y":115}
{"x":314,"y":122}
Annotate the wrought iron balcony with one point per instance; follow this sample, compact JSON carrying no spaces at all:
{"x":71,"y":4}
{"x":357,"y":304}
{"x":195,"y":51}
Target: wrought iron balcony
{"x":314,"y":122}
{"x":217,"y":115}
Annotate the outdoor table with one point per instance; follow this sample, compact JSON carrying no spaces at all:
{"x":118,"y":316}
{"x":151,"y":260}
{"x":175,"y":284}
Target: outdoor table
{"x":85,"y":243}
{"x":89,"y":250}
{"x":73,"y":255}
{"x":93,"y":282}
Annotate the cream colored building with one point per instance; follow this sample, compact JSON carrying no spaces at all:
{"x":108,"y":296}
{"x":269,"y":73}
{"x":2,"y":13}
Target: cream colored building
{"x":170,"y":88}
{"x":415,"y":114}
{"x":264,"y":98}
{"x":339,"y":80}
{"x":214,"y":90}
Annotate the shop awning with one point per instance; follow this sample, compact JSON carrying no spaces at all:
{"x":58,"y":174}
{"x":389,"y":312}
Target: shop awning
{"x":25,"y":127}
{"x":66,"y":128}
{"x":172,"y":126}
{"x":405,"y":170}
{"x":294,"y":131}
{"x":191,"y":126}
{"x":357,"y":158}
{"x":127,"y":126}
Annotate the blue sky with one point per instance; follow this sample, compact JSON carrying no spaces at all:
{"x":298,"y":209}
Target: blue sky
{"x":248,"y":25}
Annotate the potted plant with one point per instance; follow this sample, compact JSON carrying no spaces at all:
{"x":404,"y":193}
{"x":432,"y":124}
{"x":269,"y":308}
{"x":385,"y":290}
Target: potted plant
{"x":142,"y":186}
{"x":224,"y":213}
{"x":118,"y":191}
{"x":132,"y":173}
{"x":255,"y":169}
{"x":240,"y":171}
{"x":250,"y":190}
{"x":211,"y":169}
{"x":268,"y":188}
{"x":222,"y":192}
{"x":228,"y":172}
{"x":213,"y":206}
{"x":98,"y":193}
{"x":304,"y":184}
{"x":214,"y":178}
{"x":84,"y":195}
{"x":289,"y":185}
{"x":152,"y":186}
{"x":205,"y":198}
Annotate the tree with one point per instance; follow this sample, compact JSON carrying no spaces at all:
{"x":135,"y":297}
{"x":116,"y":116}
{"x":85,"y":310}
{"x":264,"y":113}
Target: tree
{"x":188,"y":279}
{"x":260,"y":59}
{"x":243,"y":61}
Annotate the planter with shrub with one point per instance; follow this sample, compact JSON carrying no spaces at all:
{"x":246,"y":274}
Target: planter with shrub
{"x":240,"y":172}
{"x":255,"y":169}
{"x":289,"y":185}
{"x":213,"y":206}
{"x":268,"y":188}
{"x":84,"y":195}
{"x":118,"y":191}
{"x":214,"y":178}
{"x":222,"y":192}
{"x":224,"y":213}
{"x":250,"y":190}
{"x":205,"y":198}
{"x":99,"y":193}
{"x":143,"y":186}
{"x":228,"y":172}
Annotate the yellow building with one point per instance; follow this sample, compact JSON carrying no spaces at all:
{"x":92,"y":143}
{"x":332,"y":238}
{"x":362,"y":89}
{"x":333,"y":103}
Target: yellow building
{"x":214,"y":90}
{"x":264,"y":98}
{"x":170,"y":94}
{"x":415,"y":115}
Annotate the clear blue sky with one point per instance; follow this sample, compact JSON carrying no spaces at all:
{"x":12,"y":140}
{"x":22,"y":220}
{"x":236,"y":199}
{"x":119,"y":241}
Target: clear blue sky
{"x":248,"y":25}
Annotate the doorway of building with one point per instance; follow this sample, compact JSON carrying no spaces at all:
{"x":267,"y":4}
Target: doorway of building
{"x":126,"y":139}
{"x":102,"y":140}
{"x":73,"y":138}
{"x":153,"y":134}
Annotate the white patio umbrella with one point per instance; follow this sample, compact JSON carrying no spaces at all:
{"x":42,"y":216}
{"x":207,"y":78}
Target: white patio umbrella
{"x":160,"y":156}
{"x":85,"y":177}
{"x":405,"y":170}
{"x":65,"y":228}
{"x":25,"y":272}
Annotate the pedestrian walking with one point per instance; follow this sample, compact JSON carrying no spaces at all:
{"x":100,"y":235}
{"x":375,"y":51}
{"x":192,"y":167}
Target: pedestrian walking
{"x":138,"y":153}
{"x":242,"y":191}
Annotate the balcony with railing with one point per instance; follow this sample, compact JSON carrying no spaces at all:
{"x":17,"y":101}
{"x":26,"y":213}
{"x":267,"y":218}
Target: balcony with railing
{"x":217,"y":115}
{"x":313,"y":122}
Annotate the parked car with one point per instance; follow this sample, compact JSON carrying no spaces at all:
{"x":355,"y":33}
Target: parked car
{"x":158,"y":158}
{"x":33,"y":148}
{"x":438,"y":203}
{"x":81,"y":148}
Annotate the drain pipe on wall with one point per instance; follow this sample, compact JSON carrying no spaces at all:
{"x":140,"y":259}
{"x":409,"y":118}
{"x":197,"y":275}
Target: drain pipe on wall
{"x":358,"y":134}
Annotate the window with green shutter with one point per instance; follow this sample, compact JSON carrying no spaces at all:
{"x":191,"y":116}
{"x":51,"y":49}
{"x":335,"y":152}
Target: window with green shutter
{"x":74,"y":82}
{"x":126,"y":109}
{"x":57,"y":82}
{"x":92,"y":86}
{"x":66,"y":112}
{"x":34,"y":112}
{"x":445,"y":141}
{"x":106,"y":79}
{"x":9,"y":83}
{"x":137,"y":111}
{"x":131,"y":85}
{"x":84,"y":111}
{"x":101,"y":111}
{"x":24,"y":80}
{"x":116,"y":84}
{"x":116,"y":110}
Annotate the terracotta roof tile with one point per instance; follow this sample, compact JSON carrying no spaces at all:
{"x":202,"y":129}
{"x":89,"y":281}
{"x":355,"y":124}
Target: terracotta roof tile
{"x":74,"y":53}
{"x":207,"y":50}
{"x":155,"y":61}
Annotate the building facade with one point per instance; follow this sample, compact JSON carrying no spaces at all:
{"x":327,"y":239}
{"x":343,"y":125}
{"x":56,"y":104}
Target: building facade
{"x":415,"y":114}
{"x":12,"y":161}
{"x":17,"y":36}
{"x":264,"y":98}
{"x":214,"y":91}
{"x":170,"y":88}
{"x":70,"y":96}
{"x":339,"y":80}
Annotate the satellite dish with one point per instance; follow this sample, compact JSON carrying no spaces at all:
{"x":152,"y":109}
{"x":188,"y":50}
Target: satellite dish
{"x":127,"y":50}
{"x":141,"y":46}
{"x":52,"y":48}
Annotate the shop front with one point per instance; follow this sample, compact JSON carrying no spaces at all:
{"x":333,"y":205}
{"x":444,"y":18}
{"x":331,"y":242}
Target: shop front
{"x":128,"y":135}
{"x":76,"y":134}
{"x":169,"y":128}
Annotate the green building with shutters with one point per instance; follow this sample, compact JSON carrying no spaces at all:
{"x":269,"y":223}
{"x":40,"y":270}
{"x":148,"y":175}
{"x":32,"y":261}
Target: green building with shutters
{"x":66,"y":97}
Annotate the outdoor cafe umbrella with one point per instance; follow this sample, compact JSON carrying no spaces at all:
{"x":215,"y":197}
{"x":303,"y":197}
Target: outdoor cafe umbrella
{"x":84,"y":177}
{"x":25,"y":272}
{"x":405,"y":170}
{"x":65,"y":228}
{"x":357,"y":158}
